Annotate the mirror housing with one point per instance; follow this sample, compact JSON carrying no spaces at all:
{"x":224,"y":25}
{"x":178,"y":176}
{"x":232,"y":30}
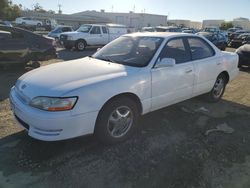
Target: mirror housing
{"x":165,"y":62}
{"x":98,"y":49}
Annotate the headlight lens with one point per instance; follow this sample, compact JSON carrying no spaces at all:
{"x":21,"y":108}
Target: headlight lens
{"x":53,"y":104}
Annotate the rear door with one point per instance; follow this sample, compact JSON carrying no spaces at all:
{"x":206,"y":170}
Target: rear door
{"x":105,"y":35}
{"x":207,"y":64}
{"x":95,"y":36}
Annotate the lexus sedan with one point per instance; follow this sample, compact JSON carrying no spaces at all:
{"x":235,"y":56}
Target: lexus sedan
{"x":106,"y":93}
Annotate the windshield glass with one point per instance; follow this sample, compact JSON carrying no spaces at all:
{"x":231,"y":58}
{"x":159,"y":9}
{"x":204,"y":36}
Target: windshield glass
{"x":84,"y":28}
{"x":131,"y":51}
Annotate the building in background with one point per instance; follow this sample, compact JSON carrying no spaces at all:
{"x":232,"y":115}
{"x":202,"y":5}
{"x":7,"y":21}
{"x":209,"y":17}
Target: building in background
{"x":66,"y":19}
{"x":242,"y":22}
{"x":131,"y":19}
{"x":210,"y":23}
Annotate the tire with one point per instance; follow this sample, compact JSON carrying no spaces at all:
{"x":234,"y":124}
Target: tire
{"x":218,"y":89}
{"x":117,"y":121}
{"x":80,"y":45}
{"x":38,"y":25}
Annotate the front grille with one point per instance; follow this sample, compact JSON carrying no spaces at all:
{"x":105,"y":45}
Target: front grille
{"x":25,"y":125}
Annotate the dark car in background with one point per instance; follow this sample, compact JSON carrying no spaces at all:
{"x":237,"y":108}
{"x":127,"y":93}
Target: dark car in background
{"x":235,"y":34}
{"x":240,"y":40}
{"x":20,"y":46}
{"x":58,"y":30}
{"x":244,"y":55}
{"x":218,"y":39}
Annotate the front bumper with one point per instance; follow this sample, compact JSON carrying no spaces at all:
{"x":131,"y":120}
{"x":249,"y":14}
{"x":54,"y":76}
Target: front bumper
{"x":51,"y":126}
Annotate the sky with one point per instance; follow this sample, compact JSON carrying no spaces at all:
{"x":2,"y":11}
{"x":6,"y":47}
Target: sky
{"x":195,"y":10}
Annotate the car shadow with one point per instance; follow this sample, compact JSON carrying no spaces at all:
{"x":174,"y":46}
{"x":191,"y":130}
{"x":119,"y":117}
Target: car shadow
{"x":245,"y":69}
{"x":168,"y":143}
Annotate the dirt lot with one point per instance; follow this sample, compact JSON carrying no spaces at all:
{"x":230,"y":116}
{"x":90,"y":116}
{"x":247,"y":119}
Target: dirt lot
{"x":170,"y":149}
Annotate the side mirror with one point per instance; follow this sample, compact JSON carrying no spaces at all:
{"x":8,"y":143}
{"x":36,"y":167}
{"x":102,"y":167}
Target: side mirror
{"x":98,"y":49}
{"x":165,"y":62}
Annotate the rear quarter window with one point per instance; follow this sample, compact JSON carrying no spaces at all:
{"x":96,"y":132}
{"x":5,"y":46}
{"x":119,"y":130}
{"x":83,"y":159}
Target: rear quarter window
{"x":200,"y":49}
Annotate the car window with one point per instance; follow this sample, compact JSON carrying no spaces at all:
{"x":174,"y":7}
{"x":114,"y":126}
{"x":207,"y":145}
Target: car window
{"x":65,"y":29}
{"x":221,"y":37}
{"x":95,"y":30}
{"x":200,"y":49}
{"x":104,"y":30}
{"x":176,"y":49}
{"x":132,"y":51}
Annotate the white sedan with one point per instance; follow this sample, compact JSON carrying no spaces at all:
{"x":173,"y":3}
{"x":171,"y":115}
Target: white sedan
{"x":107,"y":92}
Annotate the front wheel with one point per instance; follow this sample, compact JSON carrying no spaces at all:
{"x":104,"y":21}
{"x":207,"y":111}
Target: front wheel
{"x":80,"y":45}
{"x":117,"y":121}
{"x":218,"y":90}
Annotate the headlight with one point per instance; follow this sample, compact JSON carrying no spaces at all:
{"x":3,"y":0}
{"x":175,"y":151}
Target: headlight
{"x":70,"y":38}
{"x":53,"y":103}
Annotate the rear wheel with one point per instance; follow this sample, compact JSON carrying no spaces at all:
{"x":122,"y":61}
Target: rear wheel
{"x":117,"y":121}
{"x":39,"y":25}
{"x":218,"y":90}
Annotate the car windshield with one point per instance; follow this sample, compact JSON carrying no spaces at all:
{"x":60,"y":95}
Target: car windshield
{"x":84,"y":28}
{"x":57,"y":30}
{"x":131,"y":51}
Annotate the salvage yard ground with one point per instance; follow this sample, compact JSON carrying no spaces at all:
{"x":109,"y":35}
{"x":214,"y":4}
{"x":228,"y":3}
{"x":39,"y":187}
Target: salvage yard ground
{"x":169,"y":150}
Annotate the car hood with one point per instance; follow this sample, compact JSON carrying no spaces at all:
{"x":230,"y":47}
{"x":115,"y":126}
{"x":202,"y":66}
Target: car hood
{"x":60,"y":78}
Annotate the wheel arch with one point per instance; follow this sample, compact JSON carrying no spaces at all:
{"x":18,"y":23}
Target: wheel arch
{"x":132,"y":96}
{"x":225,"y":73}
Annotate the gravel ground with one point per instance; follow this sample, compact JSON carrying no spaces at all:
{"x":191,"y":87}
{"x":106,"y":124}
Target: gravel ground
{"x":170,"y":149}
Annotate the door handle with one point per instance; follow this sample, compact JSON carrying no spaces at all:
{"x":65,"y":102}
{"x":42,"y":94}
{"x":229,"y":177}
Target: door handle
{"x":188,"y":70}
{"x":218,"y":63}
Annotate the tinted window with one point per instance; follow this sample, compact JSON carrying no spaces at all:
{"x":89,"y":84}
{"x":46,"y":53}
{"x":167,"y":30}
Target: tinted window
{"x":200,"y":49}
{"x":65,"y":29}
{"x":176,"y":49}
{"x":95,"y":30}
{"x":104,"y":30}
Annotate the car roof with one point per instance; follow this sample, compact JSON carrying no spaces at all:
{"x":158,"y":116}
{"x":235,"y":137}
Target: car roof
{"x":159,"y":34}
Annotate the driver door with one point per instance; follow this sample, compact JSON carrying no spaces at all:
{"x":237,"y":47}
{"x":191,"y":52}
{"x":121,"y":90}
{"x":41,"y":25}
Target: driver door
{"x":175,"y":83}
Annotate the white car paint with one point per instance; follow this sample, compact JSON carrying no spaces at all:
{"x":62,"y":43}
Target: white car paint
{"x":95,"y":82}
{"x":113,"y":32}
{"x":28,"y":21}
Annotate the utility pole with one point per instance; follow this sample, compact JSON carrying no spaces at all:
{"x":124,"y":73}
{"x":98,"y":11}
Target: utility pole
{"x":59,"y":9}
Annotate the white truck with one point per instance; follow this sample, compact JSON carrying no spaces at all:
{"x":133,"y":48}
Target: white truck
{"x":28,"y":21}
{"x":92,"y":35}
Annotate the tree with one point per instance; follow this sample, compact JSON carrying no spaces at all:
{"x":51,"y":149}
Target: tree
{"x":8,"y":10}
{"x":226,"y":25}
{"x":38,"y":8}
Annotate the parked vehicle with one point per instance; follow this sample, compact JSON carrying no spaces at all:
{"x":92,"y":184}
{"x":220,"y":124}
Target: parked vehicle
{"x":20,"y":46}
{"x":58,"y":30}
{"x":244,"y":55}
{"x":212,"y":29}
{"x":148,"y":29}
{"x":5,"y":23}
{"x":92,"y":35}
{"x":28,"y":21}
{"x":240,"y":40}
{"x":107,"y":92}
{"x":236,"y":34}
{"x":217,"y":39}
{"x":190,"y":31}
{"x":168,"y":29}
